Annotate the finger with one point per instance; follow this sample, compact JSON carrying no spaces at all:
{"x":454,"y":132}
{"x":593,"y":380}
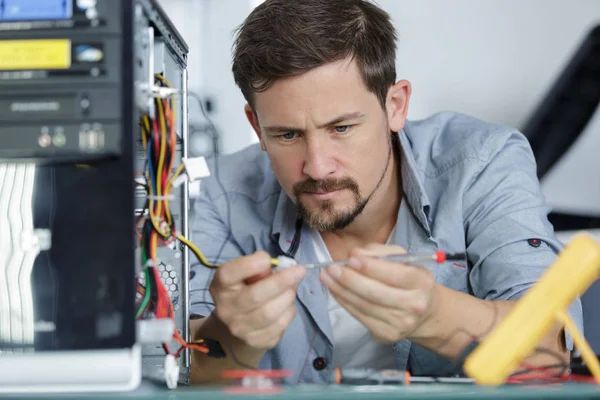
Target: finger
{"x":271,"y":311}
{"x":379,"y":250}
{"x":377,"y":311}
{"x":240,"y":269}
{"x":391,"y":273}
{"x":369,"y":289}
{"x":257,"y":294}
{"x":270,"y":336}
{"x":259,"y":277}
{"x":380,"y":330}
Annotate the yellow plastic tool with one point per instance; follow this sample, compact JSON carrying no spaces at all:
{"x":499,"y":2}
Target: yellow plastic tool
{"x":515,"y":338}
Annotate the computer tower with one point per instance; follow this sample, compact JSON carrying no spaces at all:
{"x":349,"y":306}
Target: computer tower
{"x":76,"y":78}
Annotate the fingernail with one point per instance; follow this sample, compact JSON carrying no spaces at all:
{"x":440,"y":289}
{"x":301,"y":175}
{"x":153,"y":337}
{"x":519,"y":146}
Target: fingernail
{"x":354,"y":262}
{"x":334,"y":270}
{"x":325,"y":278}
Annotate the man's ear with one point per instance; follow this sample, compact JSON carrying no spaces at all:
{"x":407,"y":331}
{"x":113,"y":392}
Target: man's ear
{"x":251,"y":115}
{"x":397,"y":104}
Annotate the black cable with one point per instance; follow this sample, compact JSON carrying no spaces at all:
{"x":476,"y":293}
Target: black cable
{"x":470,"y":334}
{"x":459,"y":361}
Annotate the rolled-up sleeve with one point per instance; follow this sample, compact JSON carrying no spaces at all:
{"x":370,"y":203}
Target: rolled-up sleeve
{"x":211,"y":234}
{"x":510,"y":242}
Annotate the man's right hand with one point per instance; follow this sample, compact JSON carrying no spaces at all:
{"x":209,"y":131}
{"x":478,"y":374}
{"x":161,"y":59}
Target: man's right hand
{"x":255,"y":304}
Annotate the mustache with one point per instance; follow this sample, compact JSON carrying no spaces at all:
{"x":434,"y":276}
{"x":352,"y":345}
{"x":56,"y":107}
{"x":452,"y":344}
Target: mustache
{"x":325,"y":185}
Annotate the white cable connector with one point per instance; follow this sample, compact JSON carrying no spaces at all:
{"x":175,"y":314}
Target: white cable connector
{"x":154,"y":331}
{"x":171,"y":371}
{"x":179,"y":180}
{"x":196,"y":168}
{"x":164,"y":92}
{"x":285,"y":262}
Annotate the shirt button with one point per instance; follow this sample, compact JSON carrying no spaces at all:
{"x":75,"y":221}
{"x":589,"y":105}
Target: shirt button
{"x":319,"y":363}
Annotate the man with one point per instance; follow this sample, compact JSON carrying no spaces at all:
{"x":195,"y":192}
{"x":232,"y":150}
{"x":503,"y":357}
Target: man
{"x":338,"y":174}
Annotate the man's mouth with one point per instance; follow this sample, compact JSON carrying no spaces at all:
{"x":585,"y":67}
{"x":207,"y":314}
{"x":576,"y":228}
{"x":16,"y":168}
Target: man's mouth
{"x":323,"y":195}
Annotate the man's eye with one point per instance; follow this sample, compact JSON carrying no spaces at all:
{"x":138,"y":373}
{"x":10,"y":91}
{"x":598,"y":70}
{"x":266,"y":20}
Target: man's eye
{"x":289,"y":135}
{"x":342,"y":128}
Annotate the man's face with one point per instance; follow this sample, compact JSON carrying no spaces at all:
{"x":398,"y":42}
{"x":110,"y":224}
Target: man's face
{"x":328,"y":140}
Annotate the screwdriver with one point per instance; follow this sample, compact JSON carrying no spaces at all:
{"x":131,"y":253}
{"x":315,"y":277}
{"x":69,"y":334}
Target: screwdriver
{"x":405,"y":258}
{"x":366,"y":376}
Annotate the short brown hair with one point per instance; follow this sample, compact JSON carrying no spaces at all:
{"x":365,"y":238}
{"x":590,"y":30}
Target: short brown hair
{"x":282,"y":38}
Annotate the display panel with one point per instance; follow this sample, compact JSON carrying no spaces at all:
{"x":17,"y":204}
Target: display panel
{"x":35,"y":54}
{"x":30,"y":10}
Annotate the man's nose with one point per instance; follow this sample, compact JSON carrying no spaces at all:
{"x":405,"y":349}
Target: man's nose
{"x":319,"y":158}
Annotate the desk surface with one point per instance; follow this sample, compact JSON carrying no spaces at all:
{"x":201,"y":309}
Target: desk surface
{"x":432,"y":391}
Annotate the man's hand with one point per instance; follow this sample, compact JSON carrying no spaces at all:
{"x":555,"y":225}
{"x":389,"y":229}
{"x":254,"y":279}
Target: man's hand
{"x":255,"y":304}
{"x":392,"y":300}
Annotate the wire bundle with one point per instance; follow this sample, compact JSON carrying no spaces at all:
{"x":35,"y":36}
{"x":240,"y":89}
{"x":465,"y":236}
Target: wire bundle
{"x":156,"y":223}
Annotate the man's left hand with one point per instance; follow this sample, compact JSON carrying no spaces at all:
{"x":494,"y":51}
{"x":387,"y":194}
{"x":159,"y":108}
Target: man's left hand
{"x":392,"y":300}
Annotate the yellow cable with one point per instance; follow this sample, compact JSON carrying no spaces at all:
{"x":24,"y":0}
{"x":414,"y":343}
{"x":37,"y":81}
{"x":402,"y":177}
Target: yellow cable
{"x":163,"y":132}
{"x":153,"y":245}
{"x":197,"y":252}
{"x":175,"y":175}
{"x":144,"y":133}
{"x":151,"y":206}
{"x":167,"y":190}
{"x":202,"y":258}
{"x":161,"y":161}
{"x":173,"y":107}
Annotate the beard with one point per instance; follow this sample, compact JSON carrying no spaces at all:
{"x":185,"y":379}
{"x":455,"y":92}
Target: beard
{"x":326,"y":218}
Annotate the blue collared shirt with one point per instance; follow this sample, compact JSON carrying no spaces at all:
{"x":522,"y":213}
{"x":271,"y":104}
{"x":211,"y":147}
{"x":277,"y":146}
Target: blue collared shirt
{"x":469,"y":186}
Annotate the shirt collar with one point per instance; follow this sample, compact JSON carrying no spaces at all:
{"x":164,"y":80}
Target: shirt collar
{"x":412,"y":184}
{"x":283,"y":228}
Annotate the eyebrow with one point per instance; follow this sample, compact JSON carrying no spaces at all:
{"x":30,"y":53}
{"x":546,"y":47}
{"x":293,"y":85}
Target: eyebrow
{"x":336,"y":120}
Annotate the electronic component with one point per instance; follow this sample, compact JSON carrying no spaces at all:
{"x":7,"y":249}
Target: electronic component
{"x":35,"y":10}
{"x":499,"y":354}
{"x":67,"y":269}
{"x":161,"y":204}
{"x":196,"y":168}
{"x":76,"y":79}
{"x":65,"y":74}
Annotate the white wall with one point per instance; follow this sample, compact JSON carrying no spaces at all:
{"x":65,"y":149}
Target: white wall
{"x":493,"y":58}
{"x":208,"y":27}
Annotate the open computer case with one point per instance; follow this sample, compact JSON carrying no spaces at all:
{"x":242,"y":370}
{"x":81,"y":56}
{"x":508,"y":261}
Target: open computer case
{"x":76,"y":77}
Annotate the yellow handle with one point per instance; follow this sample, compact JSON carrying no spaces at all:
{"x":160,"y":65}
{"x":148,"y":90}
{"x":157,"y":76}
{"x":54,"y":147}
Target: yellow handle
{"x":498,"y":355}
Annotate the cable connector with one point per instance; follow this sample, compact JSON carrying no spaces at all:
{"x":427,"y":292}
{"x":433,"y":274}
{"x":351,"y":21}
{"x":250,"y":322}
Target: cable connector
{"x":154,"y":331}
{"x":171,"y":371}
{"x":196,"y":168}
{"x":164,"y":92}
{"x":283,"y":262}
{"x":214,"y":348}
